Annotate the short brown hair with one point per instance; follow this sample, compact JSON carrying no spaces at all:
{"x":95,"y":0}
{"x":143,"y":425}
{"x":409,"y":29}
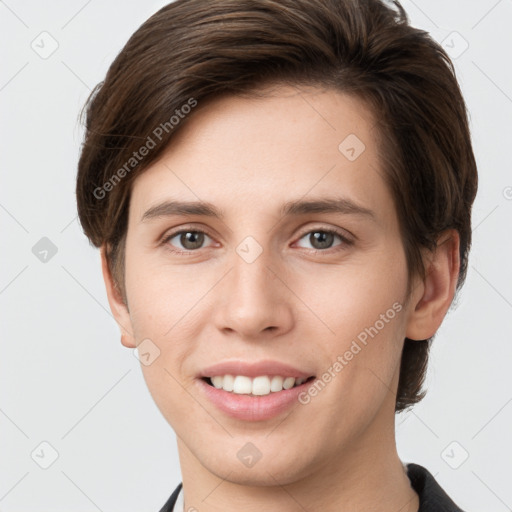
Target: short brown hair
{"x":197,"y":49}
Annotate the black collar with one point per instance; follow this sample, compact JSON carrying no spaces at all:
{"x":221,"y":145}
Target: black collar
{"x":432,"y":496}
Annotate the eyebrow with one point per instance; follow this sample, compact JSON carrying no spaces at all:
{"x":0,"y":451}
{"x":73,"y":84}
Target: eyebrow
{"x":340,"y":205}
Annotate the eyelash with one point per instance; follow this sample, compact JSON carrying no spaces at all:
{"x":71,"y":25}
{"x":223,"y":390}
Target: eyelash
{"x":346,"y":242}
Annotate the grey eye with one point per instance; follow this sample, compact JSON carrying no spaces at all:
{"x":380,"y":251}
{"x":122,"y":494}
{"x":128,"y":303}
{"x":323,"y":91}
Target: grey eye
{"x":321,"y":239}
{"x":190,"y":240}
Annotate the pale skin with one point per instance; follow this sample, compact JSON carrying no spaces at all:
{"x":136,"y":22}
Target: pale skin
{"x":298,"y":302}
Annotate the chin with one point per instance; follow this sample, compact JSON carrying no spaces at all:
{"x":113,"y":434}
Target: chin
{"x":257,"y":462}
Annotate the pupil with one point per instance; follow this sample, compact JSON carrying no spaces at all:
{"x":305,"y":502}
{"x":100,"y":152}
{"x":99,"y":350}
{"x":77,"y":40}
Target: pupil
{"x":192,"y":239}
{"x":321,"y":236}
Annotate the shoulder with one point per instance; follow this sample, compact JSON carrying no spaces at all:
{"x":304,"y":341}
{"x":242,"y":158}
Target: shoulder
{"x":432,"y":497}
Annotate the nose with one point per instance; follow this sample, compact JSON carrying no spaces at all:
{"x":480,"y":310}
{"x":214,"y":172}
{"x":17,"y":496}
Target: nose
{"x":254,"y":301}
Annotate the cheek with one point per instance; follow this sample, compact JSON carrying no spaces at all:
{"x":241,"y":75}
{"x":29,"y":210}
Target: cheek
{"x":162,"y":311}
{"x":167,"y":307}
{"x":160,"y":296}
{"x":350,"y":299}
{"x":364,"y":309}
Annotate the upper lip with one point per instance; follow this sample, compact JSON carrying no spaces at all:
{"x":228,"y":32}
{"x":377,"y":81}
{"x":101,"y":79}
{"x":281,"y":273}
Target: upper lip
{"x":254,"y":369}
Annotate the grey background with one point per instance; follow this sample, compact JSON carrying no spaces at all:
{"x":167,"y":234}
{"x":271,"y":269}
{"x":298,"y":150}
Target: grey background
{"x":65,"y":378}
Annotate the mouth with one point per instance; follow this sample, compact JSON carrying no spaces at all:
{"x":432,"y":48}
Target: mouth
{"x":253,"y":390}
{"x":261,"y":385}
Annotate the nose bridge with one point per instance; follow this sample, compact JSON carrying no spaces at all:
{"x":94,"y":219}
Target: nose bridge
{"x":253,"y":298}
{"x":252,"y":279}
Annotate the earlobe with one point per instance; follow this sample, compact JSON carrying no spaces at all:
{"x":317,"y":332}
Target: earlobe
{"x":127,"y":341}
{"x":117,"y":305}
{"x":438,"y":290}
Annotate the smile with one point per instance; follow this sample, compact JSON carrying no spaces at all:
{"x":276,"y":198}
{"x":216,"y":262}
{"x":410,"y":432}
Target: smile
{"x":253,"y":390}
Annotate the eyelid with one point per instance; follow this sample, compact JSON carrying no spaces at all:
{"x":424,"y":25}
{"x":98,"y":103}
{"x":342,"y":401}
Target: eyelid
{"x":187,"y":227}
{"x":164,"y":239}
{"x":345,"y":235}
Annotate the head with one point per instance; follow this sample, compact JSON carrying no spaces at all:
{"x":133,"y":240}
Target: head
{"x":247,"y":107}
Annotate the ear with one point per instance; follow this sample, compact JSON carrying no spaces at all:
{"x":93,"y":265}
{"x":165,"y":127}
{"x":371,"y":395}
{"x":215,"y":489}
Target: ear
{"x":117,"y":306}
{"x":435,"y":293}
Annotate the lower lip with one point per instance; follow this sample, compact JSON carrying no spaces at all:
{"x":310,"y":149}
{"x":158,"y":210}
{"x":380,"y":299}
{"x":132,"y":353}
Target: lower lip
{"x":253,"y":408}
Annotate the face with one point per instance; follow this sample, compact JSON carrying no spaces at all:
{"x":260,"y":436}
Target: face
{"x":281,"y":266}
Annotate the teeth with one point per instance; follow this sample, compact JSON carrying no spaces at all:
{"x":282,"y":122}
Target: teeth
{"x":217,"y":381}
{"x":288,"y":383}
{"x":259,"y":386}
{"x":276,"y":384}
{"x":242,"y":385}
{"x":228,"y":382}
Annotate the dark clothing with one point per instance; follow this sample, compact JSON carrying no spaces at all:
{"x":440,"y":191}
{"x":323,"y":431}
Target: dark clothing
{"x":169,"y":504}
{"x":432,"y":497}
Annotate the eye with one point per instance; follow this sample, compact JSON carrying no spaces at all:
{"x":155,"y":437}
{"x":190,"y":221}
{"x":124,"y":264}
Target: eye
{"x":189,"y":239}
{"x":322,"y":239}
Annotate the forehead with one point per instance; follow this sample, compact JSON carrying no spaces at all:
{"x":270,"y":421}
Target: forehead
{"x":264,"y":151}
